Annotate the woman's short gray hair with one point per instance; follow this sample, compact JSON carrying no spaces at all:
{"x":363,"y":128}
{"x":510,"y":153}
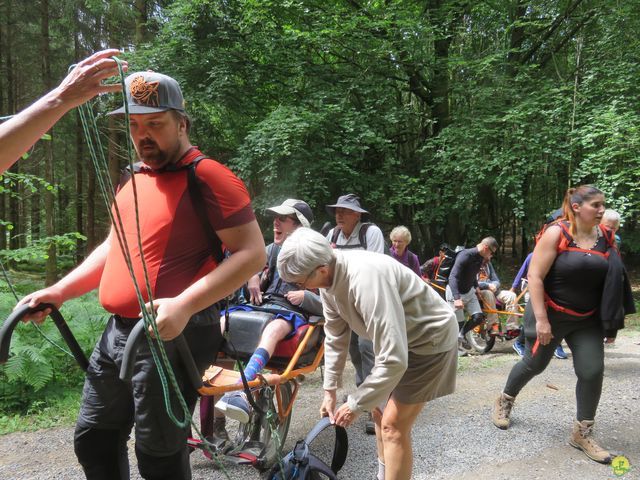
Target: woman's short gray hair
{"x":303,"y":252}
{"x":401,"y":231}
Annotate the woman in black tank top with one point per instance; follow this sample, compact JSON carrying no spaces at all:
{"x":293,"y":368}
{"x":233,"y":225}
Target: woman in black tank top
{"x":566,"y":280}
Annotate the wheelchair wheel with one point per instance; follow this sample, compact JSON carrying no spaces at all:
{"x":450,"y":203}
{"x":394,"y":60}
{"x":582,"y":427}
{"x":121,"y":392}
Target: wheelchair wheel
{"x":480,"y":339}
{"x":262,"y":438}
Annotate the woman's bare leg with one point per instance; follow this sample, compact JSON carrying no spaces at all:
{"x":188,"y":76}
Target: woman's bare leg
{"x":397,"y":421}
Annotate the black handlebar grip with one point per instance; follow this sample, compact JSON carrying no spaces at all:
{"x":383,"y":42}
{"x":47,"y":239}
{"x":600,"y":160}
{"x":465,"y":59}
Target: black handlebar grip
{"x":187,"y":360}
{"x":131,"y":348}
{"x":18,"y":314}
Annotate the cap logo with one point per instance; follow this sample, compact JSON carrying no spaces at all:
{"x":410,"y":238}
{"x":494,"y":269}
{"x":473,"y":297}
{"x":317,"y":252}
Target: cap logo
{"x":143,"y":92}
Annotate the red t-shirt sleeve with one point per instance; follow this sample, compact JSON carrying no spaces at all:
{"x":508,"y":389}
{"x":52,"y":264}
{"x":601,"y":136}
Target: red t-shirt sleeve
{"x":228,"y":202}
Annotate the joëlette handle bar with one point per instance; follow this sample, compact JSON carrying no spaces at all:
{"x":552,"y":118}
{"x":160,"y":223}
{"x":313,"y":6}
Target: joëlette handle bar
{"x":137,"y":335}
{"x":19,"y":313}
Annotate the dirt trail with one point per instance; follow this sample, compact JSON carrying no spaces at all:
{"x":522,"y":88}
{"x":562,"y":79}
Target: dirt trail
{"x":453,"y":438}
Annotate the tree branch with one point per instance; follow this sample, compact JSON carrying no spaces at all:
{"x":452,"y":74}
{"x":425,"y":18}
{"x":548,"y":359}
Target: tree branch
{"x":550,"y":31}
{"x":566,"y":38}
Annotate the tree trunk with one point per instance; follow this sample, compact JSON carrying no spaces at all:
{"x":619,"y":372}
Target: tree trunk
{"x":516,"y":38}
{"x":12,"y":214}
{"x":141,"y":21}
{"x":80,"y":195}
{"x":51,"y":270}
{"x":4,"y":67}
{"x":90,"y":228}
{"x":79,"y":178}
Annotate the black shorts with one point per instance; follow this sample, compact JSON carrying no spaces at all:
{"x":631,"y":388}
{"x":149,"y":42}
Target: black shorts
{"x":109,"y":403}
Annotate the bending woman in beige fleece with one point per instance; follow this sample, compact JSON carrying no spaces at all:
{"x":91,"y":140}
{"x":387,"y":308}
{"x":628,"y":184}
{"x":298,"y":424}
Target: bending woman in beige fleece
{"x":414,"y":334}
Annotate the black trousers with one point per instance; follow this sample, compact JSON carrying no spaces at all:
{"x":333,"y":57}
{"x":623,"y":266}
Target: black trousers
{"x":585,"y":339}
{"x":111,"y":407}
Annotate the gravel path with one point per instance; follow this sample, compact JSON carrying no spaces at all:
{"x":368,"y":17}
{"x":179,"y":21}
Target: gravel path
{"x":453,"y":437}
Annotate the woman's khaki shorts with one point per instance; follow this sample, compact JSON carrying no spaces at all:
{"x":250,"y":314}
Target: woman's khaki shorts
{"x":427,"y":377}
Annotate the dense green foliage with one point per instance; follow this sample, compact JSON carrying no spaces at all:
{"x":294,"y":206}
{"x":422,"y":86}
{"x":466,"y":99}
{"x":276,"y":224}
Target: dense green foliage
{"x":456,"y":118}
{"x":313,"y":99}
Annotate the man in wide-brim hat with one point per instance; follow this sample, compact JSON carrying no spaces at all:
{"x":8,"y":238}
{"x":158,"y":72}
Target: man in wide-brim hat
{"x":351,"y":233}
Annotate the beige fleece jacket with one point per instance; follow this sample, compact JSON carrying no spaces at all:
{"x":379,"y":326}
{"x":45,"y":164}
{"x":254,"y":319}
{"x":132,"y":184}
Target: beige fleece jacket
{"x":382,"y":300}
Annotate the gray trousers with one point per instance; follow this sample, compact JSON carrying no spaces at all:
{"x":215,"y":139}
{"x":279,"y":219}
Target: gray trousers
{"x":362,"y":357}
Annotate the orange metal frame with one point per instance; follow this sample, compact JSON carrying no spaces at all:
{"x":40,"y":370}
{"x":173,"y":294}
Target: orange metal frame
{"x":218,"y":380}
{"x":487,"y":309}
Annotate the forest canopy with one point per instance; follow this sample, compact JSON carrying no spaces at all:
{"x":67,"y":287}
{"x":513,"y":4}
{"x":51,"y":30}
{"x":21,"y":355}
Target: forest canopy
{"x":455,"y":118}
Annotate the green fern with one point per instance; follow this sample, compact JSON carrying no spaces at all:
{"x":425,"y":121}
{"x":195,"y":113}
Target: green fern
{"x":13,"y":368}
{"x":38,"y":371}
{"x":30,"y":366}
{"x":37,"y":374}
{"x":36,"y":354}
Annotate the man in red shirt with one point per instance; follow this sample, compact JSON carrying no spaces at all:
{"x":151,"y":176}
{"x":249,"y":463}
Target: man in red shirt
{"x":184,"y":278}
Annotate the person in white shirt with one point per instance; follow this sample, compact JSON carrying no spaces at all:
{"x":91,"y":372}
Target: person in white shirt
{"x":351,"y":233}
{"x":413,"y":330}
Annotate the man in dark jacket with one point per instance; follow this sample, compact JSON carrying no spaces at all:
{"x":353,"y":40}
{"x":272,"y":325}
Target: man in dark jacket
{"x":462,"y":290}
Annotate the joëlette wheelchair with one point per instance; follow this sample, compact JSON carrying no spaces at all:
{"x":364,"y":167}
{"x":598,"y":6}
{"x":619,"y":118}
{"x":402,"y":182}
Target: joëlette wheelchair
{"x":259,"y":442}
{"x":482,"y":338}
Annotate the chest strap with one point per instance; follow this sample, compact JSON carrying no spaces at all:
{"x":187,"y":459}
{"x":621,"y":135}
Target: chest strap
{"x":548,"y":302}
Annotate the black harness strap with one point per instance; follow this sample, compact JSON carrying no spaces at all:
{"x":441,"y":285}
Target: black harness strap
{"x":197,"y":200}
{"x":362,"y":237}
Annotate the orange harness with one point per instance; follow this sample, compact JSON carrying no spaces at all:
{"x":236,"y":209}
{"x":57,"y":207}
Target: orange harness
{"x":563,"y":246}
{"x":559,"y":308}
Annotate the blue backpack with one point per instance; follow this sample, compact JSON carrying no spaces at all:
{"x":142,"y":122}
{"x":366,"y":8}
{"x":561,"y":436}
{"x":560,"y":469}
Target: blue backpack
{"x":301,"y":464}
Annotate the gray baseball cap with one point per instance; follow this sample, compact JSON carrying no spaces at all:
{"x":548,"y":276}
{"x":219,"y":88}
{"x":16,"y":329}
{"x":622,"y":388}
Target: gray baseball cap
{"x":350,"y":201}
{"x":291,"y":206}
{"x":151,"y":92}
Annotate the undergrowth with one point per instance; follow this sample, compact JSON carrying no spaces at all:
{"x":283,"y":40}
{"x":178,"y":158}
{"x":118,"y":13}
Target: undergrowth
{"x":40,"y":385}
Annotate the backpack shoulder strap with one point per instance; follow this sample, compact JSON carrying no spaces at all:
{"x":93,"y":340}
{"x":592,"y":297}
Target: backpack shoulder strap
{"x":565,"y":239}
{"x":362,"y":234}
{"x":197,"y":200}
{"x":335,"y":235}
{"x":270,"y":268}
{"x":125,"y":176}
{"x":316,"y":465}
{"x":341,"y":444}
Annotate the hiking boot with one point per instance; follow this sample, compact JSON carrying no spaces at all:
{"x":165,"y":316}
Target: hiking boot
{"x":502,"y":411}
{"x":560,"y":353}
{"x":582,"y":439}
{"x":518,"y":348}
{"x":235,"y":406}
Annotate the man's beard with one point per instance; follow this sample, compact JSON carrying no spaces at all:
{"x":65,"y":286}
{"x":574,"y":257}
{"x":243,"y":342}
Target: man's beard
{"x":156,"y":158}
